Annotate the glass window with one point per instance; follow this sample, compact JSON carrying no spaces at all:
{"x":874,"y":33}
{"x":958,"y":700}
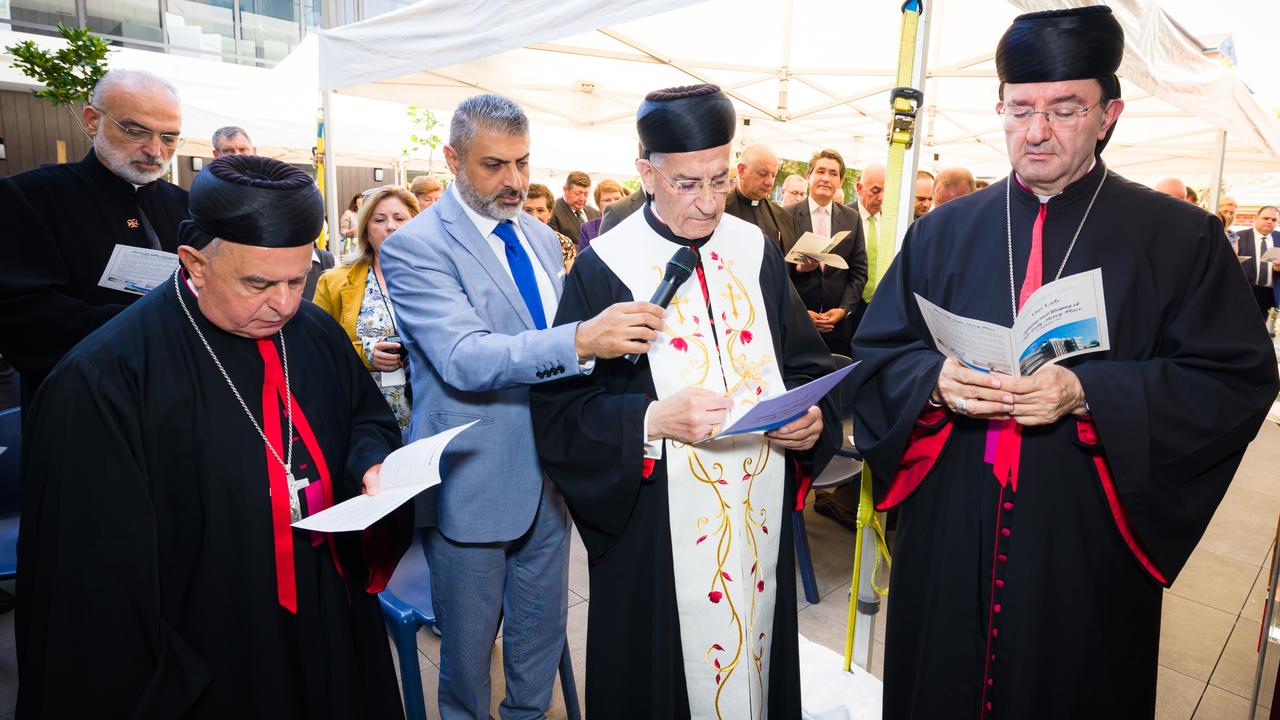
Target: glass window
{"x":45,"y":13}
{"x":269,"y":29}
{"x":201,"y":28}
{"x":131,"y":19}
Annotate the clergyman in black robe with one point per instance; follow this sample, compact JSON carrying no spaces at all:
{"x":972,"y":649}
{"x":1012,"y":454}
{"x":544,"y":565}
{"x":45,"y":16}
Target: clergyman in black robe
{"x":1028,"y":583}
{"x":160,"y":576}
{"x":65,"y":220}
{"x":591,"y":434}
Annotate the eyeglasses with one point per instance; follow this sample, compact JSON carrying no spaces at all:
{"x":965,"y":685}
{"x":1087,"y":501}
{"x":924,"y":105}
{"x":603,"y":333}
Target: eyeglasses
{"x":1063,"y":117}
{"x":719,"y":186}
{"x":141,"y":135}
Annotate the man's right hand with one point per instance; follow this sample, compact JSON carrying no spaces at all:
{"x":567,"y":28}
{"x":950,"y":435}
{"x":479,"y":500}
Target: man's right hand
{"x":622,"y":328}
{"x":981,"y":392}
{"x":688,"y":416}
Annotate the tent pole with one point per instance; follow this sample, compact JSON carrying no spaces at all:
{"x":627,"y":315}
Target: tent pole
{"x":1215,"y":181}
{"x":331,"y":206}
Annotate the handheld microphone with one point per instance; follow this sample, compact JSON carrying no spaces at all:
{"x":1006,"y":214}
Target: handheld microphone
{"x":679,"y":268}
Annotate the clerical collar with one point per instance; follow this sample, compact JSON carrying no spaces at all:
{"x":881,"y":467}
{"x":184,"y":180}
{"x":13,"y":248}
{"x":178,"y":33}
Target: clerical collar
{"x":1079,"y":191}
{"x":744,"y":198}
{"x":1047,"y":198}
{"x":657,"y":225}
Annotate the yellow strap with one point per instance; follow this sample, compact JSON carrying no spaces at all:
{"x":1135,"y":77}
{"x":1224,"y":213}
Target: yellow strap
{"x":887,"y":233}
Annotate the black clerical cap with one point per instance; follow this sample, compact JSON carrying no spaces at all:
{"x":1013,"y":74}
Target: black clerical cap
{"x":685,"y":119}
{"x":1085,"y":43}
{"x":253,"y":200}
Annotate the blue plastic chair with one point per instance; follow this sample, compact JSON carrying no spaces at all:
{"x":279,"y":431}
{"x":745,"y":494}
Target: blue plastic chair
{"x":406,"y":607}
{"x":10,"y":495}
{"x":844,"y":468}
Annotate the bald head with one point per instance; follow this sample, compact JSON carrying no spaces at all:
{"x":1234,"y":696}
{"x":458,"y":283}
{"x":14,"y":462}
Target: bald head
{"x":794,"y":189}
{"x":871,"y":188}
{"x":1172,"y":186}
{"x":952,"y":183}
{"x":757,"y":169}
{"x":135,"y":119}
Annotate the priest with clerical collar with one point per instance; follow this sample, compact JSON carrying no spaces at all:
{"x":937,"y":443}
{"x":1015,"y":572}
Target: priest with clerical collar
{"x":693,"y":609}
{"x":1041,"y":516}
{"x":169,"y":455}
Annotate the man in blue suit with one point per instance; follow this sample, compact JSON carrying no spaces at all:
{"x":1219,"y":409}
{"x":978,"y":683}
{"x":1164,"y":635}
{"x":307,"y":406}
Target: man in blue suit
{"x":475,"y":283}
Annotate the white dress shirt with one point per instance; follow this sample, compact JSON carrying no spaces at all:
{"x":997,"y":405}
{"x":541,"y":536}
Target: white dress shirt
{"x":1261,"y":244}
{"x":485,"y":226}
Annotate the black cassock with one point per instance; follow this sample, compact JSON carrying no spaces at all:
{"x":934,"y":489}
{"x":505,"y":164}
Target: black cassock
{"x":62,"y":222}
{"x":146,"y":558}
{"x":1057,"y":617}
{"x":590,"y":439}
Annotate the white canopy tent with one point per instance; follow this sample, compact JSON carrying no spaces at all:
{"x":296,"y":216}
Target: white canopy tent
{"x":804,"y":74}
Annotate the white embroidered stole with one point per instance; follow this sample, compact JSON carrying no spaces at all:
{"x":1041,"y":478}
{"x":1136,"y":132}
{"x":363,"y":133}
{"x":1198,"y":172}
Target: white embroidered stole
{"x":726,"y":503}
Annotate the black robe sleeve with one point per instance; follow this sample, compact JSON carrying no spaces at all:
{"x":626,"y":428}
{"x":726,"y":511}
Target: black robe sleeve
{"x":589,"y":428}
{"x":88,"y":550}
{"x":1174,"y":427}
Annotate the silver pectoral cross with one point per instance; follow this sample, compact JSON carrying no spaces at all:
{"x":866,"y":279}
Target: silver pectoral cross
{"x":296,"y":486}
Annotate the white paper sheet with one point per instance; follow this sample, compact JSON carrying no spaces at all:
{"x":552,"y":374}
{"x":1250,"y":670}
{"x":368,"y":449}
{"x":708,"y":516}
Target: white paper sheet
{"x":774,"y":412}
{"x":816,"y":247}
{"x":137,"y":270}
{"x":405,"y":473}
{"x":1272,"y":255}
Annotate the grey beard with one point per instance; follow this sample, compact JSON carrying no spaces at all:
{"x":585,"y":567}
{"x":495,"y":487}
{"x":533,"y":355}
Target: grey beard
{"x":487,"y":206}
{"x":118,"y":163}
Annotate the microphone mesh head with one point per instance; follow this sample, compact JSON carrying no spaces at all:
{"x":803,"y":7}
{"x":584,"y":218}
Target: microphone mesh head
{"x":682,"y":264}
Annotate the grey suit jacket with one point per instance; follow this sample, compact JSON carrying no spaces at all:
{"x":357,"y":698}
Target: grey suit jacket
{"x":565,"y":222}
{"x":620,"y":210}
{"x":474,"y":352}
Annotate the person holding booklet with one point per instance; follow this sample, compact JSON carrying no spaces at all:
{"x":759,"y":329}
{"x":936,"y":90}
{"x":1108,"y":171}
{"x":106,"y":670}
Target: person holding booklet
{"x":1041,"y":515}
{"x":689,"y":542}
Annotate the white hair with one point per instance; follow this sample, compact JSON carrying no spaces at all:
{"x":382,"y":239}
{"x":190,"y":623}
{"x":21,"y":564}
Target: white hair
{"x":129,"y":80}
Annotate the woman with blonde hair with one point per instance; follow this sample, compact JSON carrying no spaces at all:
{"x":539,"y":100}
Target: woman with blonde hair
{"x":427,"y":189}
{"x":355,"y":294}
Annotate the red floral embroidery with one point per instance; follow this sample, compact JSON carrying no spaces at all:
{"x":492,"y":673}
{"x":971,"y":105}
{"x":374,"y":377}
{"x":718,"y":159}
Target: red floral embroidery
{"x":725,"y":575}
{"x":760,"y":586}
{"x":718,"y":646}
{"x":746,"y":337}
{"x":680,"y":344}
{"x":699,"y":540}
{"x":765,"y":528}
{"x":714,"y":596}
{"x":714,"y":256}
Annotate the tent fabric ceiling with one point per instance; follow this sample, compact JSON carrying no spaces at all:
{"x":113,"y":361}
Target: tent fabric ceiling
{"x":804,"y":74}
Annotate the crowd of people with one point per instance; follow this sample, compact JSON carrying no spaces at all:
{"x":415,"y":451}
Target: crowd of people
{"x":171,"y":441}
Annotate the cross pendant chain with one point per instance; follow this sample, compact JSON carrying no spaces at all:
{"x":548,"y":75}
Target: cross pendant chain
{"x":295,"y":486}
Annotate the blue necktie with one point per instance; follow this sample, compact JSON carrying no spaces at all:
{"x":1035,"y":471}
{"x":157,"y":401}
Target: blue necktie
{"x":522,"y":272}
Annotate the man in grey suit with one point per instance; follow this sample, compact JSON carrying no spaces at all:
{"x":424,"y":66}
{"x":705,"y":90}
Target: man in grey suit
{"x":831,"y":294}
{"x":475,"y":282}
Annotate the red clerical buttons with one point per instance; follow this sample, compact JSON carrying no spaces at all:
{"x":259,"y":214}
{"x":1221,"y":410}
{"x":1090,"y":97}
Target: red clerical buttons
{"x":996,"y":608}
{"x":1006,"y":532}
{"x":1008,"y":506}
{"x":988,"y":706}
{"x":995,"y":632}
{"x":990,"y":682}
{"x":1003,"y":558}
{"x":999,"y":583}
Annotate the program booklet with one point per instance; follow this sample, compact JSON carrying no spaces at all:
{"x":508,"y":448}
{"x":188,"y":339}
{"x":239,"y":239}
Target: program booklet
{"x":1062,"y":319}
{"x":816,"y":247}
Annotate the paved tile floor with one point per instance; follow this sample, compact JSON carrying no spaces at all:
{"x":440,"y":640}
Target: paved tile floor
{"x":1207,"y":645}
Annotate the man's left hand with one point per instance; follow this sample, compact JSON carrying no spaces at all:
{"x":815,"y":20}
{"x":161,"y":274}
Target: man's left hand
{"x":372,"y":482}
{"x":1045,"y":397}
{"x":799,"y":434}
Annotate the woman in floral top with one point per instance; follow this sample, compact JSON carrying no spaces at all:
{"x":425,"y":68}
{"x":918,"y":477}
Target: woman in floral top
{"x":357,"y":298}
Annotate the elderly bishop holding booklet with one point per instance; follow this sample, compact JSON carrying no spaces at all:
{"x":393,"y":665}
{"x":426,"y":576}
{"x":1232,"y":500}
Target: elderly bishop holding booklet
{"x":170,"y":453}
{"x":1042,"y":515}
{"x":692,"y":576}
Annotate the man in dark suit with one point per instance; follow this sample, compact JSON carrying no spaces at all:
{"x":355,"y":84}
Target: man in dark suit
{"x":1251,"y":244}
{"x":619,"y":211}
{"x":321,"y":260}
{"x":757,"y":169}
{"x":831,"y":294}
{"x":572,"y":209}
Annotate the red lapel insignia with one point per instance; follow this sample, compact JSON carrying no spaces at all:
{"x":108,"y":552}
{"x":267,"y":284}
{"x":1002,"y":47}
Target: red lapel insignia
{"x":132,"y":223}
